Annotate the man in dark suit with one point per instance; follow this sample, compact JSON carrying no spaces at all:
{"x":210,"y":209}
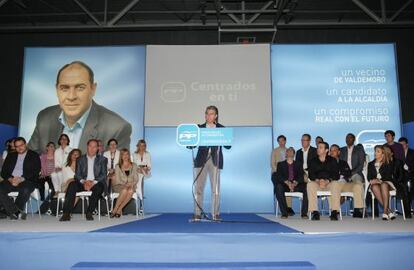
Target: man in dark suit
{"x":77,"y":114}
{"x":204,"y":152}
{"x":209,"y":161}
{"x":289,"y":178}
{"x":354,"y":155}
{"x":408,"y":168}
{"x":90,"y":175}
{"x":20,"y":173}
{"x":305,"y":154}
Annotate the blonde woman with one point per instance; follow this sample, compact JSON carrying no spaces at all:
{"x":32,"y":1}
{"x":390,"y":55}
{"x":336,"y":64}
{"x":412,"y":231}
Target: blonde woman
{"x":382,"y":178}
{"x":126,"y":179}
{"x":142,"y":158}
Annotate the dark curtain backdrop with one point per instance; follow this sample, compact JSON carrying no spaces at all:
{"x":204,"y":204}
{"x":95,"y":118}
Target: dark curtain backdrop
{"x":12,"y":48}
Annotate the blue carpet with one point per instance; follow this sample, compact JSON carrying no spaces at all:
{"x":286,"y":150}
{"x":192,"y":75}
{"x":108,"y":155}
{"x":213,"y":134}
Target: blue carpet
{"x":179,"y":223}
{"x":196,"y":266}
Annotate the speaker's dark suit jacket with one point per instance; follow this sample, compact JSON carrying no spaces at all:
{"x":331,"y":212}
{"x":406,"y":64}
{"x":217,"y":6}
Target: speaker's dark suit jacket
{"x":202,"y":153}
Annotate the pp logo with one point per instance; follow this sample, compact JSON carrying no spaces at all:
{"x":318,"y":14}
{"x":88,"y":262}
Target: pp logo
{"x":188,"y":135}
{"x":369,"y":139}
{"x":173,"y":92}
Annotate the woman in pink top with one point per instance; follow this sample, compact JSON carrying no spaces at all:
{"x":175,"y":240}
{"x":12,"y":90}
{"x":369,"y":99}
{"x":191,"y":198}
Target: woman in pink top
{"x":48,"y":167}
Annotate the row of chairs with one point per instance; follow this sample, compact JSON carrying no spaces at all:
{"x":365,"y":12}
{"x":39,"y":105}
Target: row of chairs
{"x":35,"y":195}
{"x":346,"y":195}
{"x":84,"y":196}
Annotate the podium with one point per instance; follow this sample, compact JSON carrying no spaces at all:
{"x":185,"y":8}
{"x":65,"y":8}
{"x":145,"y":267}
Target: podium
{"x":191,"y":136}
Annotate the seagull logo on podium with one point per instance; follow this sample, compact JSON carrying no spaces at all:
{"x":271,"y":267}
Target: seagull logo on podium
{"x":188,"y":135}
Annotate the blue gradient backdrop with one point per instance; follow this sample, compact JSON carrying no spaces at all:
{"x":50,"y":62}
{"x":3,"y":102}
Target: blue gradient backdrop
{"x":245,"y":179}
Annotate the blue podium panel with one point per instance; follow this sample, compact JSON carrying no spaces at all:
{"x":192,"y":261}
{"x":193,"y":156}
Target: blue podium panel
{"x":245,"y":180}
{"x":299,"y":265}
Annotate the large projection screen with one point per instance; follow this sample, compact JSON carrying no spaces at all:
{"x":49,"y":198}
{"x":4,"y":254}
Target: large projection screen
{"x":185,"y":79}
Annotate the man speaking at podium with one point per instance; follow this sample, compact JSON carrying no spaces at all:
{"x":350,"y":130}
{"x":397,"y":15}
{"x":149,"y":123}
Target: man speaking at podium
{"x":209,"y":160}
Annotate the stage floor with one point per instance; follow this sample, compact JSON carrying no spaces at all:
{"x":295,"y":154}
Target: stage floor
{"x":174,"y":223}
{"x":348,"y":244}
{"x":347,"y":225}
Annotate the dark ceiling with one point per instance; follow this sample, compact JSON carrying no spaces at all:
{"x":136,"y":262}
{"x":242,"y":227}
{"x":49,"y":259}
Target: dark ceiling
{"x":33,"y":15}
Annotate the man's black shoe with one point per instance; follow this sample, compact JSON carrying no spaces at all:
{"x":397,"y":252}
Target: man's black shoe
{"x":334,"y":215}
{"x":3,"y":215}
{"x":22,"y":215}
{"x":357,"y":213}
{"x":65,"y":217}
{"x":89,"y":216}
{"x":290,"y":211}
{"x":14,"y":216}
{"x":315,"y":215}
{"x":284,"y":216}
{"x":304,"y":216}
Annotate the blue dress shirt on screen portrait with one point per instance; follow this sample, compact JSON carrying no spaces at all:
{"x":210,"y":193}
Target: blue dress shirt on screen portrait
{"x":75,"y":132}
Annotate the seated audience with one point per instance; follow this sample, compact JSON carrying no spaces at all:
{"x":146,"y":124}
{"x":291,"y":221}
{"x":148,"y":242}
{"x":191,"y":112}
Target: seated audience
{"x":324,"y":175}
{"x":318,"y":140}
{"x":69,"y":170}
{"x":383,"y":176}
{"x":47,"y":160}
{"x":345,"y":176}
{"x":289,"y":178}
{"x":9,"y":148}
{"x":408,"y":166}
{"x":142,"y":158}
{"x":396,"y":148}
{"x":90,"y":175}
{"x":61,"y":155}
{"x":20,"y":172}
{"x":354,"y":155}
{"x":112,"y":155}
{"x":101,"y":147}
{"x":125,"y":183}
{"x":279,"y":154}
{"x":305,"y":154}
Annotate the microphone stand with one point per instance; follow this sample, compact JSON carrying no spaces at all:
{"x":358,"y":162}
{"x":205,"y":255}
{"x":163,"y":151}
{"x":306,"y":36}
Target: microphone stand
{"x":217,"y":174}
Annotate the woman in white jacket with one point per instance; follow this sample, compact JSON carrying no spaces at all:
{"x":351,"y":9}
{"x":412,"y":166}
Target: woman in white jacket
{"x":112,"y":155}
{"x":142,"y":159}
{"x":61,"y":156}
